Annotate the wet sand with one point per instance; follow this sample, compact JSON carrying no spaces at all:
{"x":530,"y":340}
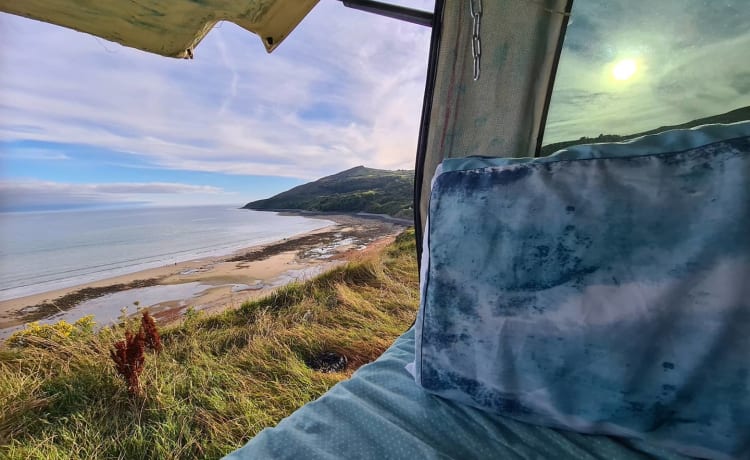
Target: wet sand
{"x":222,"y":282}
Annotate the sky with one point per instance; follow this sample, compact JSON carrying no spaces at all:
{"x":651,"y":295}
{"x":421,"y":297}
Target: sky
{"x":84,"y":121}
{"x":88,"y":122}
{"x":690,"y":59}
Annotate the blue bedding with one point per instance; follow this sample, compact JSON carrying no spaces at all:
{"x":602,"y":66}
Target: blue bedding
{"x":381,"y":413}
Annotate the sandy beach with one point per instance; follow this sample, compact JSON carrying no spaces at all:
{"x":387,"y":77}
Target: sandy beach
{"x":208,"y":284}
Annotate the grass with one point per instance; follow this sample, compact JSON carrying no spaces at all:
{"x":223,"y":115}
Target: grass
{"x":218,"y":381}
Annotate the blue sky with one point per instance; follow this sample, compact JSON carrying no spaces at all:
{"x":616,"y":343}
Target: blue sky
{"x":88,"y":122}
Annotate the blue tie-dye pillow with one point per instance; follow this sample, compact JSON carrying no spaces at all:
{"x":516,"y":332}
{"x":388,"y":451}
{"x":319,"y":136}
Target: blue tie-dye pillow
{"x":605,"y":289}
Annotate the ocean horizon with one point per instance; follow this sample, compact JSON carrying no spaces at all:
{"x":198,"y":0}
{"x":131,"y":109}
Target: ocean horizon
{"x":41,"y":251}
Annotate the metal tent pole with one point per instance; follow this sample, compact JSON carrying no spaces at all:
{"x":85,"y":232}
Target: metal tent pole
{"x":402,"y":13}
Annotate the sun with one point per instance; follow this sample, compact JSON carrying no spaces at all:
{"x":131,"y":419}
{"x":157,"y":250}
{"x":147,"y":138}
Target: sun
{"x":624,"y":69}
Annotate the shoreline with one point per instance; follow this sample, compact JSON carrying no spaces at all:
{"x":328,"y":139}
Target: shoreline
{"x":225,"y":281}
{"x":324,"y":214}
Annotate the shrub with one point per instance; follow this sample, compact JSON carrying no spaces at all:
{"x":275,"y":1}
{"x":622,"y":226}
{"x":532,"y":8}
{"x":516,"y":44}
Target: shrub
{"x":56,"y":332}
{"x":129,"y":358}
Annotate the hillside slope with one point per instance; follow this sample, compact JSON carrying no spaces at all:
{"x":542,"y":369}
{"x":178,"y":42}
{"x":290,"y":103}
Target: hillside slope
{"x":733,"y":116}
{"x":358,"y":189}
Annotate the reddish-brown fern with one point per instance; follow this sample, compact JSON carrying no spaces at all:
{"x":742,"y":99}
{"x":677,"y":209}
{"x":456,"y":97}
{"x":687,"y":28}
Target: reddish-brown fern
{"x":128,"y":357}
{"x":151,"y":333}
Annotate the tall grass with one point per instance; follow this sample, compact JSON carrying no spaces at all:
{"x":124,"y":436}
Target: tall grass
{"x":219,"y":379}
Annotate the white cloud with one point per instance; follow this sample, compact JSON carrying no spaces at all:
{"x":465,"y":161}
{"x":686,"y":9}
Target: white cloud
{"x":30,"y":194}
{"x":344,"y":89}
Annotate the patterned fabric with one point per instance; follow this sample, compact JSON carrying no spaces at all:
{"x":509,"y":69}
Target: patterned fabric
{"x":380,"y":413}
{"x":604,"y":290}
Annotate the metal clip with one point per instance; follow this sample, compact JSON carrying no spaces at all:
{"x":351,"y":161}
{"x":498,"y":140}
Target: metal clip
{"x":475,"y":8}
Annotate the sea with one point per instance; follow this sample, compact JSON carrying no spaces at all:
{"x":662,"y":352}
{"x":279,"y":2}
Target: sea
{"x":44,"y":251}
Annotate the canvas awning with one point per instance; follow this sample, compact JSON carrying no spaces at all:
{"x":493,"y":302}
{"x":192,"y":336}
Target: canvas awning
{"x":170,"y":28}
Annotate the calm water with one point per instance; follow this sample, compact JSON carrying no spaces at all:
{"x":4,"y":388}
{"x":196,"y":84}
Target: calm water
{"x":51,"y":250}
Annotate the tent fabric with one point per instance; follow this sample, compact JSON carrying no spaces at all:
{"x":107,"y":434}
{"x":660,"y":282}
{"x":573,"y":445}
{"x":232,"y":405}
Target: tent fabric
{"x":502,"y":113}
{"x":381,"y":413}
{"x":170,"y":28}
{"x":601,"y":289}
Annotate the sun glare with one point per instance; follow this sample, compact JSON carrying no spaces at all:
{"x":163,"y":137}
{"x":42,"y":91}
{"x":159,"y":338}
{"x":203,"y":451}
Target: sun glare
{"x":624,"y":69}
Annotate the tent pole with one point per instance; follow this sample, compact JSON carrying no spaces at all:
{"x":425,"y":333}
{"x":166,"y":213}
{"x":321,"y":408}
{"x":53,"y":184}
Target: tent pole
{"x":422,"y":18}
{"x":424,"y":126}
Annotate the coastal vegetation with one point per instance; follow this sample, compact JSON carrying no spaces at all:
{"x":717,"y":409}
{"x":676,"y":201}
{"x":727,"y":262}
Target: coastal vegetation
{"x":359,"y":189}
{"x":218,"y":379}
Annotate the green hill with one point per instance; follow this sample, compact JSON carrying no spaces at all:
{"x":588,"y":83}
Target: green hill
{"x":358,"y":189}
{"x":733,"y":116}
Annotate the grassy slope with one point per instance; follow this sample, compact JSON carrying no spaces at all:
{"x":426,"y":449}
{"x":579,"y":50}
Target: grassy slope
{"x":358,"y":189}
{"x":220,"y":379}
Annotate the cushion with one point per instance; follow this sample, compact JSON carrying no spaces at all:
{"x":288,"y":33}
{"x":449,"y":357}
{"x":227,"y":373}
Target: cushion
{"x":604,"y":289}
